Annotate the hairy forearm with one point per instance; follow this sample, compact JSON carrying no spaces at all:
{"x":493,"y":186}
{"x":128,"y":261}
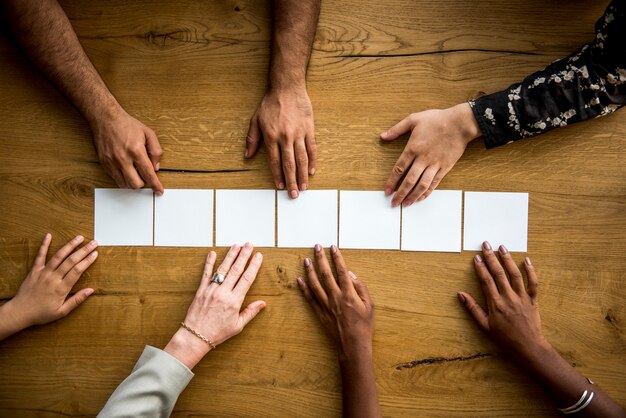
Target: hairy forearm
{"x":565,"y":385}
{"x":359,"y":384}
{"x":46,"y":35}
{"x":295,"y":22}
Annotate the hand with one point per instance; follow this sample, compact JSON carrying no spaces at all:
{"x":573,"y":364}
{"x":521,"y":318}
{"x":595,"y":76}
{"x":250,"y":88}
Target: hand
{"x":438,"y":139}
{"x":512,"y":317}
{"x":343,"y":306}
{"x":215,"y":311}
{"x":128,"y":150}
{"x":285,"y":121}
{"x":42,"y":297}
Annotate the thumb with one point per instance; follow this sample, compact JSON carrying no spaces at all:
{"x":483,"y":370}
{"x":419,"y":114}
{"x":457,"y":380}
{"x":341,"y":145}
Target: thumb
{"x":250,"y":312}
{"x":475,"y":310}
{"x":75,"y":301}
{"x":253,"y":139}
{"x":154,"y":148}
{"x":402,"y":127}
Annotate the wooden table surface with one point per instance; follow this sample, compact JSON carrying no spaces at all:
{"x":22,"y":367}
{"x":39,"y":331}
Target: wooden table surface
{"x":195,"y":72}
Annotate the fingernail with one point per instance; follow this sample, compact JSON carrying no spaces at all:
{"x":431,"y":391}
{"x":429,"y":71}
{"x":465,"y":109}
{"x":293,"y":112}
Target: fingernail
{"x":293,"y":194}
{"x":527,"y":260}
{"x":93,"y":243}
{"x":281,"y":186}
{"x":89,"y":292}
{"x":388,"y":191}
{"x":318,"y":248}
{"x":307,"y":262}
{"x":94,"y":254}
{"x":422,"y":197}
{"x":478,"y":259}
{"x":407,"y":204}
{"x":394,"y":203}
{"x":157,"y":167}
{"x":245,"y":153}
{"x":159,"y":193}
{"x":300,"y":281}
{"x":384,"y":134}
{"x":461,"y":297}
{"x":303,"y":186}
{"x":79,"y":238}
{"x":503,"y":250}
{"x":312,"y":171}
{"x":486,"y":246}
{"x":333,"y":249}
{"x":47,"y":236}
{"x":352,"y":275}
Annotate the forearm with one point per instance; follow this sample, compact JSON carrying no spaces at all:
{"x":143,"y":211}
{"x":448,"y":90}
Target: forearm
{"x":565,"y":385}
{"x":295,"y":22}
{"x":10,"y":323}
{"x":360,"y":398}
{"x":46,"y":35}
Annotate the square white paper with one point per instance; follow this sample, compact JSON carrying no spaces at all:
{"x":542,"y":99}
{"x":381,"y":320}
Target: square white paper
{"x":367,"y":221}
{"x":500,"y":218}
{"x":244,"y":216}
{"x":434,"y":224}
{"x":183,"y":218}
{"x":123,"y":217}
{"x":308,"y":220}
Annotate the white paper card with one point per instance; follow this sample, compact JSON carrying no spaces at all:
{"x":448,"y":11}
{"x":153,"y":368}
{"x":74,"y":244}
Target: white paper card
{"x":367,"y":221}
{"x":183,"y":218}
{"x":244,"y":216}
{"x":123,"y":217}
{"x":308,"y":220}
{"x":500,"y":218}
{"x":434,"y":224}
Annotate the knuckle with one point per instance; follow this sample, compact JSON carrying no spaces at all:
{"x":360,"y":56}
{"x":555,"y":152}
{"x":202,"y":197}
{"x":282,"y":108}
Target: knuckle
{"x":398,"y":170}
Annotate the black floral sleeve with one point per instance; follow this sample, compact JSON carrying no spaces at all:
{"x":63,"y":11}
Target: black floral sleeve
{"x":587,"y":84}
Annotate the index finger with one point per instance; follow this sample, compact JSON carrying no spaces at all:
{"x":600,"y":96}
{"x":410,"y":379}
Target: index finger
{"x":403,"y":163}
{"x":328,"y":279}
{"x":273,"y":154}
{"x":147,"y":173}
{"x":345,"y":281}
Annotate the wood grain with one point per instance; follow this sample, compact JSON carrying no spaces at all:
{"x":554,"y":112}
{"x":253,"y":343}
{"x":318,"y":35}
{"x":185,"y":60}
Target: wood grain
{"x":194,"y":72}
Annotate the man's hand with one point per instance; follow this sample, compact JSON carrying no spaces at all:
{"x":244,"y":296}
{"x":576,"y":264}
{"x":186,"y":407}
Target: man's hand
{"x":438,"y":139}
{"x":128,"y":150}
{"x":285,"y":122}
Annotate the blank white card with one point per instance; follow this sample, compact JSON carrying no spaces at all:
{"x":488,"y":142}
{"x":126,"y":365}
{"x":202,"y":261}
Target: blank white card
{"x":500,"y":218}
{"x":123,"y":217}
{"x":367,"y":221}
{"x":183,"y":218}
{"x":433,"y":224}
{"x":308,"y":220}
{"x":244,"y":216}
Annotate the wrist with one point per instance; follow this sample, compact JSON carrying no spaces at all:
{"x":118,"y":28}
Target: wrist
{"x":107,"y":112}
{"x":12,"y":321}
{"x":537,"y":356}
{"x":187,"y":348}
{"x":356,"y":351}
{"x":466,"y":121}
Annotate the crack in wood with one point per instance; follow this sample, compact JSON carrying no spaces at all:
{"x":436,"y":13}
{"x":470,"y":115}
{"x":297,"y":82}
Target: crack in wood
{"x":178,"y":170}
{"x":437,"y":360}
{"x":449,"y":51}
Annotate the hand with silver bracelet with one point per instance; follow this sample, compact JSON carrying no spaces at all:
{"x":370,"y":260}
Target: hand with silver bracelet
{"x":512,"y":321}
{"x":215,"y":313}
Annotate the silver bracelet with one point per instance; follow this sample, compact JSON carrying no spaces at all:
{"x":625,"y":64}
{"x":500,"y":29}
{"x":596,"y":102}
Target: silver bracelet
{"x":582,"y":403}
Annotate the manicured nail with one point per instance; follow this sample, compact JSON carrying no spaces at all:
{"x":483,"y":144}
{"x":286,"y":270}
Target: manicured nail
{"x":478,"y":259}
{"x":293,"y":194}
{"x":300,"y":281}
{"x":312,"y":171}
{"x":281,"y":186}
{"x":352,"y":275}
{"x":527,"y":260}
{"x":245,"y":154}
{"x":461,"y":297}
{"x":303,"y":186}
{"x":333,"y":249}
{"x":503,"y":250}
{"x":307,"y":262}
{"x":89,"y":292}
{"x":486,"y":246}
{"x":318,"y":248}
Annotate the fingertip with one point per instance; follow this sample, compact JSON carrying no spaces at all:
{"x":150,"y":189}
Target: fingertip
{"x":528,"y":262}
{"x":246,"y":153}
{"x":94,"y":255}
{"x":47,"y":237}
{"x":307,"y":262}
{"x":352,"y":276}
{"x":461,"y":297}
{"x":157,"y":166}
{"x":478,"y":259}
{"x":486,"y":246}
{"x":89,"y":291}
{"x":312,"y":171}
{"x":388,"y":191}
{"x":318,"y":248}
{"x":300,"y":281}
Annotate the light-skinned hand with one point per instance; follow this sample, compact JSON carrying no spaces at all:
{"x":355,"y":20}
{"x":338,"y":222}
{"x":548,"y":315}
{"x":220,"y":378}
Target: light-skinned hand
{"x":438,"y":139}
{"x":284,"y":120}
{"x":42,"y":297}
{"x":129,"y":151}
{"x":512,"y":316}
{"x":215,"y":311}
{"x":343,"y":304}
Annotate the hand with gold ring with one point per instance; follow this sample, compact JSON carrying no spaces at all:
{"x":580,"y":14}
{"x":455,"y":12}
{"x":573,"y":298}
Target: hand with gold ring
{"x":215,"y":313}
